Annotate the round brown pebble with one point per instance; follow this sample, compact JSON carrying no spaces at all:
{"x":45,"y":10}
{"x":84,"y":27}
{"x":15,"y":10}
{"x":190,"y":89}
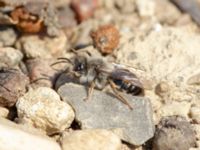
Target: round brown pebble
{"x":161,"y":88}
{"x":25,"y":21}
{"x":106,"y":38}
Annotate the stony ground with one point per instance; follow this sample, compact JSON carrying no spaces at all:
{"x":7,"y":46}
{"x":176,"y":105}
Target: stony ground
{"x":42,"y":104}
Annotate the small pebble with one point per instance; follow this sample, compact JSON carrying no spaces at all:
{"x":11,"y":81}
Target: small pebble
{"x":161,"y":88}
{"x":4,"y":112}
{"x":125,"y":6}
{"x":84,"y":9}
{"x":90,"y":139}
{"x":10,"y":57}
{"x":146,"y":8}
{"x":174,"y":133}
{"x":43,"y":109}
{"x":106,"y":38}
{"x":195,"y":114}
{"x":7,"y":36}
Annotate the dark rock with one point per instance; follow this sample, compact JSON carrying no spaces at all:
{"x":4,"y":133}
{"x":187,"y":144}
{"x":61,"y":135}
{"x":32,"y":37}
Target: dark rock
{"x":12,"y":85}
{"x":174,"y":133}
{"x":40,"y":72}
{"x":107,"y":112}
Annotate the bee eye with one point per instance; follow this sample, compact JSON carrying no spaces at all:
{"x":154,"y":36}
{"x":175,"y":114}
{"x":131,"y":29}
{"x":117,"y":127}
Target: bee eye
{"x":80,"y":67}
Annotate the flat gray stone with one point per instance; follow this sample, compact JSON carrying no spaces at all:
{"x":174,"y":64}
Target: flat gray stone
{"x":107,"y":112}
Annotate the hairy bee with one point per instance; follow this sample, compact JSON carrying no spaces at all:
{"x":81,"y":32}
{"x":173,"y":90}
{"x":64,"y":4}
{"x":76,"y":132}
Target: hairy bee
{"x":98,"y":73}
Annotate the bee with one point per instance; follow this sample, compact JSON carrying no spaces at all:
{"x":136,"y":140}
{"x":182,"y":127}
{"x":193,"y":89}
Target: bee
{"x":97,"y":73}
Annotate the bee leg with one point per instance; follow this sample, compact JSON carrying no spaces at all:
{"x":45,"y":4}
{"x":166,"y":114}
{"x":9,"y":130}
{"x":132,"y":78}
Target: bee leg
{"x":118,"y":95}
{"x":90,"y":91}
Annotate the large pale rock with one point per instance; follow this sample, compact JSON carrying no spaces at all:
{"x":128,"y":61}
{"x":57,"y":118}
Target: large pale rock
{"x":89,"y":139}
{"x":169,"y":55}
{"x":14,"y":137}
{"x":43,"y":109}
{"x":107,"y":112}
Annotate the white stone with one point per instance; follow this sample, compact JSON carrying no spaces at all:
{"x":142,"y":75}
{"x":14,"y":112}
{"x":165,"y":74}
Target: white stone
{"x":90,"y":139}
{"x":14,"y":137}
{"x":43,"y":109}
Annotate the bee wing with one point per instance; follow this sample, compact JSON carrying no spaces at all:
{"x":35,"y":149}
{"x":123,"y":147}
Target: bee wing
{"x":127,"y":76}
{"x":105,"y":70}
{"x":144,"y":77}
{"x":134,"y":80}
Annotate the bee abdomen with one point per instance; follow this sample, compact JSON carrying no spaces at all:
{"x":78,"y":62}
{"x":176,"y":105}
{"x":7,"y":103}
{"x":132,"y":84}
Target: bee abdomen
{"x":134,"y":90}
{"x":128,"y":87}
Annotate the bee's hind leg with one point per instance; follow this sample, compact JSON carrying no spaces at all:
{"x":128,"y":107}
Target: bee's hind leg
{"x":90,"y":91}
{"x":118,"y":95}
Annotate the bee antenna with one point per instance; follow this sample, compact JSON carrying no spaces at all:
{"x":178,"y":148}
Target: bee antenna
{"x":66,"y":59}
{"x":78,"y":51}
{"x":63,"y":60}
{"x":127,"y":66}
{"x":58,"y":62}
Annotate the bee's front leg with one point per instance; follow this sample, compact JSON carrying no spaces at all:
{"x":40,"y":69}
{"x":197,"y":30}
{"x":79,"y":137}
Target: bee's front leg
{"x":90,"y":91}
